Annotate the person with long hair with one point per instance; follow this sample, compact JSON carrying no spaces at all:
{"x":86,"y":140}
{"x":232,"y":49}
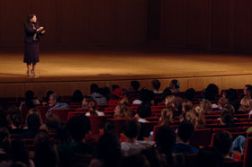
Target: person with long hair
{"x":33,"y":33}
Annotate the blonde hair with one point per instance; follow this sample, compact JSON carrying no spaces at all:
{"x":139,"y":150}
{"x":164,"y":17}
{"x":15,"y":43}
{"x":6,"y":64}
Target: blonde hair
{"x":166,"y":116}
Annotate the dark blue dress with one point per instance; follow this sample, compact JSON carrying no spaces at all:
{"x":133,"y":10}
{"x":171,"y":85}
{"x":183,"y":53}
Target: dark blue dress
{"x":31,"y":41}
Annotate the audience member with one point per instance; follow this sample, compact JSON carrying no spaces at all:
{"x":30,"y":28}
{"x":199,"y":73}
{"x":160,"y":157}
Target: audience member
{"x":97,"y":96}
{"x":184,"y":133}
{"x":54,"y":104}
{"x":92,"y":109}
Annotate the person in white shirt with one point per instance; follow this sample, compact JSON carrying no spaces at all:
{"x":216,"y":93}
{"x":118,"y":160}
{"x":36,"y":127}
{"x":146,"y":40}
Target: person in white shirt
{"x":92,"y":109}
{"x":133,"y":146}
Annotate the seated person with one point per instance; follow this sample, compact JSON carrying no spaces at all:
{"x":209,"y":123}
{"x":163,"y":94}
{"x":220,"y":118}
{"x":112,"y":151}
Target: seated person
{"x":165,"y":141}
{"x":92,"y":109}
{"x":143,"y":112}
{"x":122,"y":109}
{"x":54,"y":104}
{"x":132,"y":146}
{"x":133,"y":92}
{"x":184,"y":133}
{"x":76,"y":151}
{"x":174,"y":86}
{"x":97,"y":95}
{"x":166,"y":117}
{"x":29,"y":102}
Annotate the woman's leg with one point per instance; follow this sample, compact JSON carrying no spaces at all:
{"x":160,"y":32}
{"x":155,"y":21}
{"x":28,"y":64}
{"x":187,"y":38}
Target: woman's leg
{"x":33,"y":69}
{"x":28,"y":69}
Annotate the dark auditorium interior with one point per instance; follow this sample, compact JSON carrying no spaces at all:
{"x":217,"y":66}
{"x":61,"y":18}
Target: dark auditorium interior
{"x":126,"y":83}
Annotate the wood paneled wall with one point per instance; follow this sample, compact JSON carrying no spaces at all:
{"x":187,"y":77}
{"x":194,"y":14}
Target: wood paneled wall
{"x":214,"y":25}
{"x":211,"y":25}
{"x":76,"y":23}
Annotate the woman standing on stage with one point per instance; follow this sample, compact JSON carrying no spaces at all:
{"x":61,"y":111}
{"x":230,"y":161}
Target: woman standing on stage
{"x":31,"y":51}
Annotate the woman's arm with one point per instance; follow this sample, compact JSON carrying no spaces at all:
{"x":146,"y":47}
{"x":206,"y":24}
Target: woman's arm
{"x":30,"y":30}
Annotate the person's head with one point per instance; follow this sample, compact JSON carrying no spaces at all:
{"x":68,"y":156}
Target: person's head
{"x":190,"y":94}
{"x":78,"y":127}
{"x":34,"y":121}
{"x":52,"y":99}
{"x":222,"y":102}
{"x":205,"y":106}
{"x":247,"y":90}
{"x":19,"y":153}
{"x":45,"y":152}
{"x":117,"y":93}
{"x":211,"y":92}
{"x":144,"y":110}
{"x":222,"y":142}
{"x":77,"y":96}
{"x":156,"y":84}
{"x":135,"y":85}
{"x":109,"y":150}
{"x":167,"y":115}
{"x":94,"y":88}
{"x":228,"y":109}
{"x":92,"y":105}
{"x":185,"y":131}
{"x":29,"y":95}
{"x":231,"y":95}
{"x":187,"y":106}
{"x":174,"y":84}
{"x":170,"y":100}
{"x":146,"y":96}
{"x":245,"y":105}
{"x":192,"y":118}
{"x":32,"y":18}
{"x":131,"y":129}
{"x":16,"y":118}
{"x":165,"y":139}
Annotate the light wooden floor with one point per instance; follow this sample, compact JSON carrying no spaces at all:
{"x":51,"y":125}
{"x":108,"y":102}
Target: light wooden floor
{"x":121,"y":65}
{"x":70,"y":70}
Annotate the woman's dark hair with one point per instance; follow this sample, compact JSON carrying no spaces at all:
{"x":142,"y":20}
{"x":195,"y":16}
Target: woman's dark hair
{"x":29,"y":17}
{"x":135,"y":85}
{"x":211,"y":92}
{"x":144,"y":110}
{"x":190,"y":94}
{"x":131,"y":129}
{"x":175,"y":83}
{"x":29,"y":97}
{"x":48,"y":94}
{"x":77,"y":96}
{"x":146,"y":96}
{"x":109,"y":150}
{"x":156,"y":84}
{"x":94,"y":88}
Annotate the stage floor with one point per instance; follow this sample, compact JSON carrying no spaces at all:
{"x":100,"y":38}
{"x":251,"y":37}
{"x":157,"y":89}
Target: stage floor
{"x":68,"y":71}
{"x":123,"y":65}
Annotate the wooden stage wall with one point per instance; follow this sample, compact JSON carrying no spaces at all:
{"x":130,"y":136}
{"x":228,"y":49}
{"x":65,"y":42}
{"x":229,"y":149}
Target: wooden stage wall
{"x":65,"y":88}
{"x":212,"y":25}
